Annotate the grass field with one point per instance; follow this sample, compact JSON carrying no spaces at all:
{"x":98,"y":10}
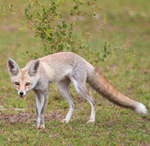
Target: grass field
{"x":128,"y":22}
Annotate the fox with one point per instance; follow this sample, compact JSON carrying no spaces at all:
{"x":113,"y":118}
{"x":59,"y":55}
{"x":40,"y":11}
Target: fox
{"x":63,"y":68}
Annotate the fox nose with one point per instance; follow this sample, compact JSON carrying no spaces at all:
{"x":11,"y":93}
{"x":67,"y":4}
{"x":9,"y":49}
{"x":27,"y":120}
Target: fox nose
{"x":21,"y":93}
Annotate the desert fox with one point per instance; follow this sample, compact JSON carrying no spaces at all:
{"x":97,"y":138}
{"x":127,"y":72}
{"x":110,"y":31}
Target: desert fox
{"x":64,"y":68}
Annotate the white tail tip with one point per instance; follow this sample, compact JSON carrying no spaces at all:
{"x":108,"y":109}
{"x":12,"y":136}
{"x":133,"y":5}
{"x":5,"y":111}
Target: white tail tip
{"x":140,"y":108}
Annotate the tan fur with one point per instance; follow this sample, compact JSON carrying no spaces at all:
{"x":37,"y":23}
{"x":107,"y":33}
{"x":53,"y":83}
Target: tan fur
{"x":102,"y":86}
{"x":62,"y":69}
{"x":49,"y":71}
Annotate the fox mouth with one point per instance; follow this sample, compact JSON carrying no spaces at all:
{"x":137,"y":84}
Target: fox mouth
{"x":21,"y":96}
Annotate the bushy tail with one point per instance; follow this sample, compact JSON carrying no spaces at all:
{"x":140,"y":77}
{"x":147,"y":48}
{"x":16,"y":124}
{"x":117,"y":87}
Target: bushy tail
{"x":98,"y":82}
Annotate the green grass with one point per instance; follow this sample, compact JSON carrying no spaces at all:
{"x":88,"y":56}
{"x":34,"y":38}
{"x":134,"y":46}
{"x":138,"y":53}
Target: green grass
{"x":127,"y":23}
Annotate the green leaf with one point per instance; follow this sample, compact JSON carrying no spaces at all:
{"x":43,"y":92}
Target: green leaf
{"x":63,"y":34}
{"x":63,"y":22}
{"x":75,"y":7}
{"x":53,"y":40}
{"x":102,"y":59}
{"x":52,"y":46}
{"x":26,"y":10}
{"x":64,"y":26}
{"x":59,"y":26}
{"x":29,"y":6}
{"x":22,"y":28}
{"x":80,"y":47}
{"x":11,"y":5}
{"x":56,"y":33}
{"x":71,"y":14}
{"x":60,"y":16}
{"x":38,"y":14}
{"x":107,"y":53}
{"x":54,"y":8}
{"x":70,"y":33}
{"x":104,"y":56}
{"x":105,"y":46}
{"x":60,"y":47}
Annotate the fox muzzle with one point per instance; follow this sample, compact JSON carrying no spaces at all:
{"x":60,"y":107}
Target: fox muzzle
{"x":21,"y":94}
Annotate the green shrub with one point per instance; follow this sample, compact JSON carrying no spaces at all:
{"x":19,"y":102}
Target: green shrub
{"x":56,"y":31}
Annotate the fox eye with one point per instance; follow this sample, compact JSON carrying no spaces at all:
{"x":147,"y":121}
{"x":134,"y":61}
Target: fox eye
{"x":16,"y":83}
{"x":27,"y":84}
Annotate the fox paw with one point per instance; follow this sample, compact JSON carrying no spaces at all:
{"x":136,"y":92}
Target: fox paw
{"x":41,"y":126}
{"x":90,"y":121}
{"x":63,"y":121}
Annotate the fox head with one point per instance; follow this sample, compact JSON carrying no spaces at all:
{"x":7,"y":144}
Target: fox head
{"x":23,"y":79}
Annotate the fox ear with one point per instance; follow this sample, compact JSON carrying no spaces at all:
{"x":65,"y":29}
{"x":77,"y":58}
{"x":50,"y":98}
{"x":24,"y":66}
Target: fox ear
{"x":34,"y":68}
{"x":13,"y":67}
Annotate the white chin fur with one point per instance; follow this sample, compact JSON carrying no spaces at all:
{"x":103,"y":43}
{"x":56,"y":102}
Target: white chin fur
{"x":140,"y":108}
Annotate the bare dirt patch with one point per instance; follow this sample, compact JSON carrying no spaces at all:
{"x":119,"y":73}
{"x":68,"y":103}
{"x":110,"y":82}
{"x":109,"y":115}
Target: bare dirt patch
{"x":23,"y":117}
{"x":27,"y":117}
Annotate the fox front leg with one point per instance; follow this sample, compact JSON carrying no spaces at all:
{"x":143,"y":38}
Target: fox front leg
{"x":41,"y":99}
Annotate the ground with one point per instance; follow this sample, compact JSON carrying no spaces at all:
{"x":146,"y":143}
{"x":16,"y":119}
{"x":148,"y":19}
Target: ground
{"x":127,"y":23}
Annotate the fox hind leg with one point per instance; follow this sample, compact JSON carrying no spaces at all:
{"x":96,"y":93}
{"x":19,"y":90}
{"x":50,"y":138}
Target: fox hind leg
{"x":63,"y":87}
{"x":81,"y":89}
